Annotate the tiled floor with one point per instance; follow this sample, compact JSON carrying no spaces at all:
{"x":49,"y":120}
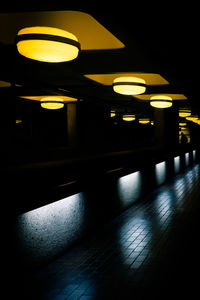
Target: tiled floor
{"x":150,"y":250}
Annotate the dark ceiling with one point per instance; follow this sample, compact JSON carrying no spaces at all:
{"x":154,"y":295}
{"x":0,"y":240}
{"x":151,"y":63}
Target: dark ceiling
{"x":161,"y":40}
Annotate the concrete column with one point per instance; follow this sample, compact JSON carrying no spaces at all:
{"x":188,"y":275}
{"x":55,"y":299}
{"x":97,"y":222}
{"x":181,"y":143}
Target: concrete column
{"x":166,"y":134}
{"x":72,"y":124}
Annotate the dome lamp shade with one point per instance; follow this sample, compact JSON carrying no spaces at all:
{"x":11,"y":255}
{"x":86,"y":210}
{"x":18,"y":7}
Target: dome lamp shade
{"x":47,"y":44}
{"x":183,"y":112}
{"x":129,"y":117}
{"x":129,"y":85}
{"x":52,"y":102}
{"x":161,"y":101}
{"x":144,"y":120}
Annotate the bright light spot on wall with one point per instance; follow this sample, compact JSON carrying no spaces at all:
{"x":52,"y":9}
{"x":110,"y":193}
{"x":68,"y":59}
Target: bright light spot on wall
{"x":130,"y":188}
{"x":48,"y":230}
{"x":160,"y":172}
{"x":194,"y":155}
{"x":177,"y":164}
{"x":187,"y":159}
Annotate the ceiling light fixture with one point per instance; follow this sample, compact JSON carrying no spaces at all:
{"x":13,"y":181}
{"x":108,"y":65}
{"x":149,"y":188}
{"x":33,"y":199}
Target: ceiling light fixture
{"x":144,"y":121}
{"x":184,"y":112}
{"x":52,"y":102}
{"x":161,"y":101}
{"x":129,"y":85}
{"x":112,"y":113}
{"x":47,"y":44}
{"x":128,"y":117}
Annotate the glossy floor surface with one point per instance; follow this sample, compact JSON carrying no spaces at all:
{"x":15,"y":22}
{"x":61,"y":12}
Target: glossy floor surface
{"x":151,"y":250}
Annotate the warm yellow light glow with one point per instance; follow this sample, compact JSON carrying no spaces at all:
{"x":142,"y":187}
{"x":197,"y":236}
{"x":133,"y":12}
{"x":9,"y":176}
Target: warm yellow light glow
{"x":4,"y":83}
{"x":161,"y":101}
{"x":91,"y":34}
{"x":183,"y":112}
{"x":128,"y":117}
{"x":182,"y":124}
{"x":144,"y":121}
{"x":47,"y":44}
{"x":197,"y":121}
{"x":152,"y":122}
{"x":192,"y":118}
{"x":107,"y":79}
{"x":52,"y":102}
{"x":39,"y":98}
{"x":177,"y":97}
{"x":129,"y":85}
{"x":112,"y":113}
{"x":18,"y":121}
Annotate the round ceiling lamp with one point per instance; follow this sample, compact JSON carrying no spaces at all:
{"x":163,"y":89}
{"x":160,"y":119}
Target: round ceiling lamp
{"x":129,"y":85}
{"x":184,"y":112}
{"x":47,"y":44}
{"x":161,"y":101}
{"x":128,"y":117}
{"x":144,"y":120}
{"x":182,"y":124}
{"x":112,"y":113}
{"x":52,"y":102}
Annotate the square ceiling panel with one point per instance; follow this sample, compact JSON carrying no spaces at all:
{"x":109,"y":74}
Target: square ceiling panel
{"x":91,"y":34}
{"x":146,"y":97}
{"x":39,"y":98}
{"x":107,"y":79}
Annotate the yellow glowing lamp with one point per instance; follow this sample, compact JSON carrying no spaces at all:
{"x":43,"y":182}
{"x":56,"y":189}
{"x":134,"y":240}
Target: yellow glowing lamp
{"x":47,"y":44}
{"x":184,"y":112}
{"x":182,"y":124}
{"x":52,"y":102}
{"x":144,"y":121}
{"x":161,"y":101}
{"x":129,"y":85}
{"x":112,"y":113}
{"x":128,"y":117}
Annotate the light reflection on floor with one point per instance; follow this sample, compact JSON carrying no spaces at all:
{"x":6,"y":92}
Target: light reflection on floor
{"x":148,"y":221}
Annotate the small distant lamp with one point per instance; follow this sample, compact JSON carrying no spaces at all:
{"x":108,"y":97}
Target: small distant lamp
{"x":183,"y":112}
{"x":182,"y":124}
{"x":128,"y":117}
{"x":112,"y":113}
{"x":129,"y":85}
{"x":144,"y":121}
{"x":161,"y":101}
{"x":47,"y":44}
